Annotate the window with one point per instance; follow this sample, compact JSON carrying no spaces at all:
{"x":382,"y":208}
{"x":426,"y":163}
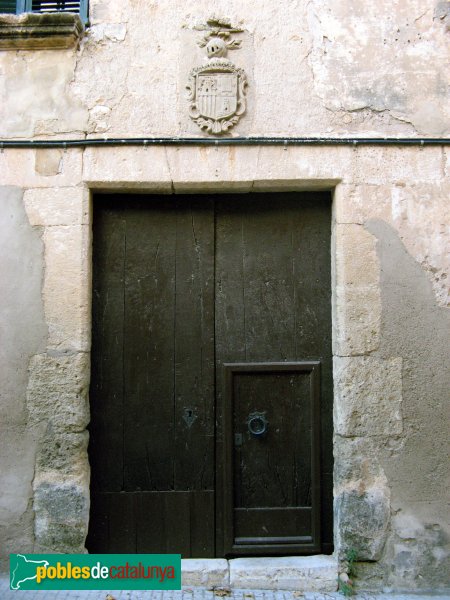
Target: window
{"x":79,"y":7}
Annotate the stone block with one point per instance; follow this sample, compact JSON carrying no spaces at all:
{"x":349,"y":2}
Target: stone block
{"x":299,"y":573}
{"x":48,"y":161}
{"x":356,"y":258}
{"x":357,"y":459}
{"x":419,"y":212}
{"x":368,"y":396}
{"x":207,"y":168}
{"x":357,"y":320}
{"x":379,"y":165}
{"x":62,"y":452}
{"x":328,"y":165}
{"x":362,"y":516}
{"x":204,"y":572}
{"x":18,"y":167}
{"x":66,"y":290}
{"x":357,"y":296}
{"x":129,"y":168}
{"x":356,"y":203}
{"x":57,"y":391}
{"x":62,"y":512}
{"x":57,"y":206}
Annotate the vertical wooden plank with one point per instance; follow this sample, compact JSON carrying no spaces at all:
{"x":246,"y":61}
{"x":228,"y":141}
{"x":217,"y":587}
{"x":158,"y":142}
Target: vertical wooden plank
{"x":98,"y":536}
{"x":230,"y":316}
{"x":150,"y":289}
{"x":202,"y":524}
{"x":268,"y":280}
{"x":326,"y":516}
{"x":106,"y":391}
{"x":176,"y":515}
{"x":150,"y":534}
{"x":230,"y":340}
{"x":312,"y":276}
{"x":316,"y":493}
{"x":194,"y":346}
{"x":122,"y":523}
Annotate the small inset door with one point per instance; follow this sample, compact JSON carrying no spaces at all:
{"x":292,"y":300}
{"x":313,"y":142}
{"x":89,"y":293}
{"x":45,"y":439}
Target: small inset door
{"x":211,"y":390}
{"x":272,"y":471}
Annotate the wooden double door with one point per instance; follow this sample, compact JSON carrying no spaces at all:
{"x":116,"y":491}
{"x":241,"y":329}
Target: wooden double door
{"x":211,"y":390}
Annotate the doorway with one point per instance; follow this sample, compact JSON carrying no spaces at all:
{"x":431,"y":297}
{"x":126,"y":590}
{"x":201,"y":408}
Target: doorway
{"x":211,"y":385}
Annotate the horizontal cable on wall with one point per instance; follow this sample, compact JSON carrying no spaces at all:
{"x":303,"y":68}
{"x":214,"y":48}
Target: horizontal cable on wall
{"x":230,"y":141}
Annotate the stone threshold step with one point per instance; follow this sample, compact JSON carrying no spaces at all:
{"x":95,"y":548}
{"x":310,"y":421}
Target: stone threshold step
{"x":292,"y":573}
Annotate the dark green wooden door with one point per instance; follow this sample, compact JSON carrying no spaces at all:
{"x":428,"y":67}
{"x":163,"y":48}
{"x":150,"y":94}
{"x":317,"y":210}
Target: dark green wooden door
{"x":211,"y":319}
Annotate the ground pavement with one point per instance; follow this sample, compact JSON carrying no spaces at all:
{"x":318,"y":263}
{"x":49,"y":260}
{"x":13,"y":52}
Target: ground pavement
{"x":202,"y":594}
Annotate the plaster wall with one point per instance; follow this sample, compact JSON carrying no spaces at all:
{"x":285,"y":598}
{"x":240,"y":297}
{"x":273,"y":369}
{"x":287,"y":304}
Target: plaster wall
{"x":314,"y":68}
{"x":23,"y":334}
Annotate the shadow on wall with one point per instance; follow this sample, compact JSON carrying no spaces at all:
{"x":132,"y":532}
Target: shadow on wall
{"x":417,"y":329}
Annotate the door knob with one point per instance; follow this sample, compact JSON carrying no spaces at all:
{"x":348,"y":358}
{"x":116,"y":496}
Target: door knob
{"x":257,"y":423}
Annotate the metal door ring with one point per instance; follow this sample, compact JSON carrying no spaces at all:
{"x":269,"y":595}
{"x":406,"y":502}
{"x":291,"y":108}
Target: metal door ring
{"x":257,"y":423}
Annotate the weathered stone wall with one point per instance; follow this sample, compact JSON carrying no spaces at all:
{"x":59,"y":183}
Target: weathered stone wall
{"x":316,"y":67}
{"x":391,"y":385}
{"x":45,"y":364}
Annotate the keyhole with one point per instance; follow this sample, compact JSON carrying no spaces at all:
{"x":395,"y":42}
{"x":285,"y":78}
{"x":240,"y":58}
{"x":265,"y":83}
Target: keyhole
{"x":189,"y":416}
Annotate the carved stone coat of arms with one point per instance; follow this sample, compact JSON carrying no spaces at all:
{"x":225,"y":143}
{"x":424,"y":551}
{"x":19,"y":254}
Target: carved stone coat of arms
{"x":216,"y":90}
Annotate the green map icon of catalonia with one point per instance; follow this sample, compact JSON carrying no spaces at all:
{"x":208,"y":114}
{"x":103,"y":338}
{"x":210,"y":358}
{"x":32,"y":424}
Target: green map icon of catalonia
{"x":23,"y":569}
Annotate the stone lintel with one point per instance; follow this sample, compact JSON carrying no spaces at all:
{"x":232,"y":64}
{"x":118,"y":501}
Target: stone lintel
{"x":35,"y":31}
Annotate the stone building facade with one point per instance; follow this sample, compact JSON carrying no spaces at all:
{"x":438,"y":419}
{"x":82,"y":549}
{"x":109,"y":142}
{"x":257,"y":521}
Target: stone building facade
{"x":315,"y":68}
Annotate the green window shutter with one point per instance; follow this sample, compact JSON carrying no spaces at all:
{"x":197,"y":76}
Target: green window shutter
{"x":73,"y":6}
{"x":45,"y":6}
{"x":8,"y":6}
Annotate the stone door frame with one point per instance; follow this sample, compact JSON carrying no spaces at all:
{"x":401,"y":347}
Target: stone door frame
{"x":59,"y":378}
